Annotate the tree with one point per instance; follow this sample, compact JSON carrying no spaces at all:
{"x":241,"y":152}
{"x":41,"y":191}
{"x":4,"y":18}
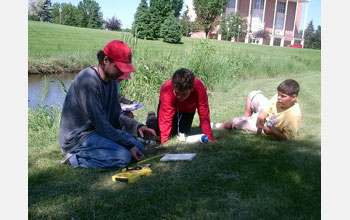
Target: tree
{"x":167,"y":6}
{"x":171,"y":29}
{"x":316,"y":40}
{"x":113,"y":24}
{"x":142,"y":26}
{"x":89,"y":14}
{"x":160,"y":10}
{"x":177,"y":6}
{"x":185,"y":23}
{"x":308,"y":35}
{"x":55,"y":13}
{"x":67,"y":16}
{"x":40,"y":10}
{"x":207,"y":11}
{"x":232,"y":25}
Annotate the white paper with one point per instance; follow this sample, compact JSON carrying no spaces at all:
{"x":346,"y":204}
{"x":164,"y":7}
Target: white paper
{"x":174,"y":157}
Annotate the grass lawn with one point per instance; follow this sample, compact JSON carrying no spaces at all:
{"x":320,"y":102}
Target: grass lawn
{"x":243,"y":176}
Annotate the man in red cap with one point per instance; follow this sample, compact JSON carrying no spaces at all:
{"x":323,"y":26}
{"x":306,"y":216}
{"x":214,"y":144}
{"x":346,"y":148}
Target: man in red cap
{"x":93,"y":132}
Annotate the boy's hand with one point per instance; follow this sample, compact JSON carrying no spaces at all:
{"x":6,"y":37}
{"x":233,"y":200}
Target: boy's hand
{"x":137,"y":154}
{"x":268,"y":130}
{"x":260,"y":121}
{"x":274,"y":132}
{"x":143,"y":129}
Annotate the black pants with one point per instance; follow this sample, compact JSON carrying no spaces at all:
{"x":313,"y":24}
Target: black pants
{"x":185,"y":123}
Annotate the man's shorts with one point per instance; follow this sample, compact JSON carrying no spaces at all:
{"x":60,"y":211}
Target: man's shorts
{"x":258,"y":101}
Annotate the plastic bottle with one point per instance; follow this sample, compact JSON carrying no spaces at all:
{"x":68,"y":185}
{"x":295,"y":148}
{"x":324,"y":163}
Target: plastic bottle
{"x":270,"y":122}
{"x":197,"y":138}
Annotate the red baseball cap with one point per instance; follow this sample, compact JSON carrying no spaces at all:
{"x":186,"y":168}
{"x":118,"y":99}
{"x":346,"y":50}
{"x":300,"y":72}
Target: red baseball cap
{"x":121,"y":54}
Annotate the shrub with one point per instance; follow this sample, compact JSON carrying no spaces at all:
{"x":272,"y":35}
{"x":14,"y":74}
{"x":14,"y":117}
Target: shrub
{"x":171,"y":30}
{"x":113,"y":24}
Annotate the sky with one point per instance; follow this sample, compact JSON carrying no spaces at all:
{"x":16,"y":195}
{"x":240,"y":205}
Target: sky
{"x":125,"y":10}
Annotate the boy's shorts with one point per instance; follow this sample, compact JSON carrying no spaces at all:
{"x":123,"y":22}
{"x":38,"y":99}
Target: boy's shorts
{"x":258,"y":101}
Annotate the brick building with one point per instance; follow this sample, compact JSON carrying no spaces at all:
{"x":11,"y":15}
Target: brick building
{"x":280,"y":18}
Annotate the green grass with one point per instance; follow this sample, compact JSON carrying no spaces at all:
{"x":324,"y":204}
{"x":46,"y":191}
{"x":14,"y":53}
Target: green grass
{"x":242,"y":176}
{"x":57,"y":48}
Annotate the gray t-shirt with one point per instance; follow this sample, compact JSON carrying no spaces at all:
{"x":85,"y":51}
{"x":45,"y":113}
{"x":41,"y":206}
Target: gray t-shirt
{"x":92,"y":105}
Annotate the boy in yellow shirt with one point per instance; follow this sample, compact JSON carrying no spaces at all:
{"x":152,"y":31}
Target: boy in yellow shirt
{"x":280,"y":116}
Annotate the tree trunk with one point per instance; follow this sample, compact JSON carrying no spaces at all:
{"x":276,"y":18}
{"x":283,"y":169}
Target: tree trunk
{"x":206,"y":34}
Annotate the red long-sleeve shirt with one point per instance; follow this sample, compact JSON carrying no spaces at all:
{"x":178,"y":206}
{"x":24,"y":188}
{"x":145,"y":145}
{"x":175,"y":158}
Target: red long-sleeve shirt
{"x":198,"y":99}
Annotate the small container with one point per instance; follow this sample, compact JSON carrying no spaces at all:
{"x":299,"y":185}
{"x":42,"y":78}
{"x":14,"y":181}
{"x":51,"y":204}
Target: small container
{"x":202,"y":138}
{"x":147,"y":142}
{"x":270,"y":122}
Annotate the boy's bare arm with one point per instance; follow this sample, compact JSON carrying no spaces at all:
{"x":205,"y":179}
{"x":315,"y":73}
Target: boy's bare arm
{"x":274,"y":132}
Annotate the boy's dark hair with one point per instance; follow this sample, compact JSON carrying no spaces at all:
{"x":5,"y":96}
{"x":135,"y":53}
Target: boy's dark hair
{"x":100,"y":56}
{"x":289,"y":87}
{"x":183,"y":79}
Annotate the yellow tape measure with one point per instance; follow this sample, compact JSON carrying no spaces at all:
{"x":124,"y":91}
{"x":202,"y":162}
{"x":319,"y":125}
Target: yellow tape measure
{"x":131,"y":175}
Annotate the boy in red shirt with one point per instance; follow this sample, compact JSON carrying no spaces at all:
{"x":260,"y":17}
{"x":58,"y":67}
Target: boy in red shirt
{"x":179,"y":98}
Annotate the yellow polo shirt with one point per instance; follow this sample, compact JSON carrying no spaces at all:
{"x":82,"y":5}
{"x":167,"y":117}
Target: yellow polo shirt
{"x":287,"y":120}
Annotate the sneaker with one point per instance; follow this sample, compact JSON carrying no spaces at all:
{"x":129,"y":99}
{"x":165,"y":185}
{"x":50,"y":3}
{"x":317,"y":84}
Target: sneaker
{"x":65,"y":159}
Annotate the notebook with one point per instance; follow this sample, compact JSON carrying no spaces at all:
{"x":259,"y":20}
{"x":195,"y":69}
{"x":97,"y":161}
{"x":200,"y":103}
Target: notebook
{"x":175,"y":157}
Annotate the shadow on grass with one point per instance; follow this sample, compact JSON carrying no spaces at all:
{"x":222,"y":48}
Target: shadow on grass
{"x":242,"y":176}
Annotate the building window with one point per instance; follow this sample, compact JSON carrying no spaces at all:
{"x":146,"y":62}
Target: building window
{"x":259,"y":4}
{"x":231,"y":4}
{"x":279,"y":23}
{"x":281,"y":7}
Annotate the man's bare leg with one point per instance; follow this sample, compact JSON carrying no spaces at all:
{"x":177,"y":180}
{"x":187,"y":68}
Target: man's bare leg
{"x":238,"y":120}
{"x":224,"y":125}
{"x":248,"y":110}
{"x":230,"y":125}
{"x":227,"y":125}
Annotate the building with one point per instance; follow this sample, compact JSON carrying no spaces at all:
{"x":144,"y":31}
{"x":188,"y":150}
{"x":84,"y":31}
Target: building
{"x":279,"y":18}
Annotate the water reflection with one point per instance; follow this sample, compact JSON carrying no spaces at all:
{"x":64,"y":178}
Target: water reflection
{"x":55,"y":95}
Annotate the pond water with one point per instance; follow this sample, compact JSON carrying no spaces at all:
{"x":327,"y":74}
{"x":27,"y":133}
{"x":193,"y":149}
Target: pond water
{"x":55,"y":95}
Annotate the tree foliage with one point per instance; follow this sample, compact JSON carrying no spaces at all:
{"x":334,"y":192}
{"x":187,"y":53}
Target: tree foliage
{"x":160,"y":10}
{"x":186,"y":23}
{"x":89,"y":14}
{"x":164,"y":7}
{"x":149,"y":19}
{"x":261,"y":34}
{"x":86,"y":14}
{"x":40,"y":10}
{"x":171,"y":29}
{"x":207,"y":12}
{"x":308,"y":34}
{"x":232,"y":25}
{"x":312,"y":37}
{"x":142,"y":26}
{"x":113,"y":24}
{"x":67,"y":16}
{"x":316,"y":44}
